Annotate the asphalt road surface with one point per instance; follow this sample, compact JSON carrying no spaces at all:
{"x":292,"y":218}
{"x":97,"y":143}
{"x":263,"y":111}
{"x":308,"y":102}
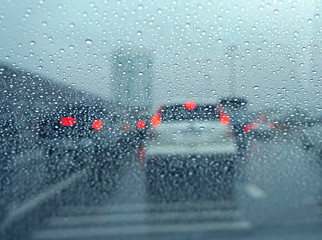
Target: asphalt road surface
{"x":277,"y":196}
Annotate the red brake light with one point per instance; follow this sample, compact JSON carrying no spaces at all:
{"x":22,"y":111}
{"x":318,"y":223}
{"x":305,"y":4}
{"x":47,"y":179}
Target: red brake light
{"x":190,"y":105}
{"x":141,"y":156}
{"x":254,"y":125}
{"x":125,"y":127}
{"x":140,"y":124}
{"x":97,"y":124}
{"x":67,"y":121}
{"x":271,"y":125}
{"x":247,"y":128}
{"x":262,"y":118}
{"x":224,"y":119}
{"x":156,"y":120}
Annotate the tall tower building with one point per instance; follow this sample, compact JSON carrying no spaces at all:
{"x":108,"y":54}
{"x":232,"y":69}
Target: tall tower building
{"x":132,"y":76}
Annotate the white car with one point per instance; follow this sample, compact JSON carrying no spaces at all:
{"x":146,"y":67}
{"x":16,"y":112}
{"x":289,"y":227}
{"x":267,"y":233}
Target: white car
{"x":188,"y":139}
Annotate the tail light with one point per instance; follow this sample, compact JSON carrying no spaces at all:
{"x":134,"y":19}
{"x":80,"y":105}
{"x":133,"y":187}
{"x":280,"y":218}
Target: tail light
{"x":98,"y":125}
{"x":247,"y":128}
{"x":254,"y":125}
{"x":141,"y":156}
{"x":125,"y":128}
{"x":224,"y":119}
{"x":271,"y":125}
{"x":156,"y":120}
{"x":262,"y":118}
{"x":67,"y":121}
{"x":190,"y":105}
{"x":140,"y":124}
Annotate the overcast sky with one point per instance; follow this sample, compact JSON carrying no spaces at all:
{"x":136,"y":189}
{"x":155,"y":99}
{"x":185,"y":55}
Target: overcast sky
{"x":277,"y":58}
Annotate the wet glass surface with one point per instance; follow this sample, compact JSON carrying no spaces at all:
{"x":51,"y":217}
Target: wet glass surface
{"x":160,"y":120}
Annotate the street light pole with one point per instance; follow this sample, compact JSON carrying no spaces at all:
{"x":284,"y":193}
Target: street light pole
{"x":231,"y":51}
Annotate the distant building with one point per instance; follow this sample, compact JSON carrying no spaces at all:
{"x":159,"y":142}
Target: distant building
{"x":132,"y":77}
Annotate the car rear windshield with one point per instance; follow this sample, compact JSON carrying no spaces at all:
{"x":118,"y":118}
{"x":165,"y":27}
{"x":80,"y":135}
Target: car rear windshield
{"x":180,"y":113}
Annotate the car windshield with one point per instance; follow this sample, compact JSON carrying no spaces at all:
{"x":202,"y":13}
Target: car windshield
{"x":172,"y":119}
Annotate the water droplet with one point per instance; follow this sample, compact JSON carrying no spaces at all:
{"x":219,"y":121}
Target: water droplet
{"x":199,"y":6}
{"x":88,"y":41}
{"x":44,"y":24}
{"x":219,"y":40}
{"x":32,"y":43}
{"x":72,"y":25}
{"x":139,"y":33}
{"x":276,"y":11}
{"x":316,"y":16}
{"x":256,"y":87}
{"x":159,"y":11}
{"x":140,"y":7}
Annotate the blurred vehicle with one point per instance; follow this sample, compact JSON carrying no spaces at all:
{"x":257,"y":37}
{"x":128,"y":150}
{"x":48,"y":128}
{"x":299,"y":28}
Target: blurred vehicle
{"x":132,"y":129}
{"x":237,"y":110}
{"x":261,"y":127}
{"x":311,"y":137}
{"x":289,"y":118}
{"x":76,"y":136}
{"x":187,"y":138}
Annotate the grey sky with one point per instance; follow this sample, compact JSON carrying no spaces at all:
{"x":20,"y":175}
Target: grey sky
{"x":278,"y":45}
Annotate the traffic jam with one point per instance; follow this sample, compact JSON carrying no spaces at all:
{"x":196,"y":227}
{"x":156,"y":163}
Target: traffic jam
{"x":87,"y":133}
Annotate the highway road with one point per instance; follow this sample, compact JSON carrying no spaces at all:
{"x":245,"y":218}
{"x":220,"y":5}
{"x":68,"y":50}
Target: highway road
{"x":277,"y":194}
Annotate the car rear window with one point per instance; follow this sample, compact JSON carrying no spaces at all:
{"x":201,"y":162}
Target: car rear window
{"x":180,"y":113}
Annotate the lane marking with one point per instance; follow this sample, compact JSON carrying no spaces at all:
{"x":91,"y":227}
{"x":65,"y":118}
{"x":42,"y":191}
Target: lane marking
{"x":146,"y":207}
{"x":141,"y":217}
{"x":94,"y":232}
{"x":254,"y":191}
{"x":30,"y":204}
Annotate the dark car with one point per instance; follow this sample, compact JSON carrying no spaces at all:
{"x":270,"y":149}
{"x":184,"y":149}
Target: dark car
{"x":237,"y":110}
{"x":132,"y":130}
{"x":76,"y":137}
